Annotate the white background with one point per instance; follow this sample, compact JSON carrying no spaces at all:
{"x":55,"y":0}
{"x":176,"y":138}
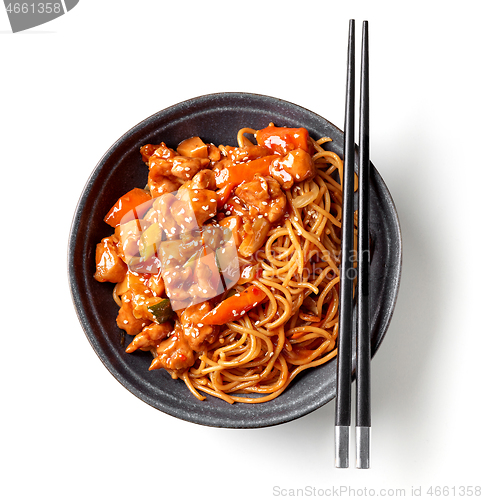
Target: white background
{"x":71,"y":87}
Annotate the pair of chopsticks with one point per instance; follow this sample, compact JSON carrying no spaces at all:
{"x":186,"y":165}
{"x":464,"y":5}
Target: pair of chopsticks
{"x":348,"y":272}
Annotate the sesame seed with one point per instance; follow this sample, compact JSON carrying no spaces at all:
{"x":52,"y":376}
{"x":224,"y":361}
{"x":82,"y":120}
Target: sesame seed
{"x":205,"y":208}
{"x":194,"y":199}
{"x":212,"y":200}
{"x":200,"y":325}
{"x":125,"y":321}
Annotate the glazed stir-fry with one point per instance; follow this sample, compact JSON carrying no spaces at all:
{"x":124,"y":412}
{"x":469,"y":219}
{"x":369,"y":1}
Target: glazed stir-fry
{"x":226,"y":263}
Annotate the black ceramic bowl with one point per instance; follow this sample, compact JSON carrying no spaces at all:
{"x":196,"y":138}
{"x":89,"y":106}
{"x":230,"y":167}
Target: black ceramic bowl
{"x":215,"y":118}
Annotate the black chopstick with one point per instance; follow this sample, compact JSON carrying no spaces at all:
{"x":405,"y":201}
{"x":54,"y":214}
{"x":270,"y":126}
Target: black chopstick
{"x":344,"y":353}
{"x":363,"y":350}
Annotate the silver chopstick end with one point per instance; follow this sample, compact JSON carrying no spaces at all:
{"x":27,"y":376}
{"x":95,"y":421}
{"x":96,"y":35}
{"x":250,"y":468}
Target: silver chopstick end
{"x":363,"y":447}
{"x":342,"y":446}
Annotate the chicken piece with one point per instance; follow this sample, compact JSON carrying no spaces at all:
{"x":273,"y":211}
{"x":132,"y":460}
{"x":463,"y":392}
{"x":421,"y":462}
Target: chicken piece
{"x":204,"y":179}
{"x":193,"y":147}
{"x":150,"y":337}
{"x":128,"y":236}
{"x":126,"y":319}
{"x":204,"y":202}
{"x":159,"y":167}
{"x":213,"y":236}
{"x":160,"y":184}
{"x":263,"y":194}
{"x":109,"y":265}
{"x":247,"y":153}
{"x":147,"y":151}
{"x":185,"y":168}
{"x":219,"y":168}
{"x":295,"y":166}
{"x":163,"y":206}
{"x":194,"y":331}
{"x":156,"y":150}
{"x":214,"y":153}
{"x":174,"y":353}
{"x":159,"y":150}
{"x":206,"y":281}
{"x":156,"y":283}
{"x":176,"y":278}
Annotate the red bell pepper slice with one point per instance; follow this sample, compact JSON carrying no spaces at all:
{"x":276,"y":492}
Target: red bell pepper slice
{"x":241,"y":172}
{"x":235,"y":306}
{"x":281,"y":140}
{"x":134,"y":201}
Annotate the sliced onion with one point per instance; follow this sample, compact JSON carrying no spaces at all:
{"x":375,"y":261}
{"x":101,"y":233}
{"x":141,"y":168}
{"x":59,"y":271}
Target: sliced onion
{"x":254,"y":241}
{"x":305,"y":199}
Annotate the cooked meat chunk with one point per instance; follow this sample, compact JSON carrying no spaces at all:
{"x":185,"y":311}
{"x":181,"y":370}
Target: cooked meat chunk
{"x":247,"y":153}
{"x":159,"y":167}
{"x":295,"y":166}
{"x":125,"y":318}
{"x":109,"y":265}
{"x":185,"y":168}
{"x":158,"y":150}
{"x":159,"y":184}
{"x":204,"y":179}
{"x":195,"y":332}
{"x":174,"y":353}
{"x":150,"y":337}
{"x":203,"y":202}
{"x":193,"y":147}
{"x":263,"y":194}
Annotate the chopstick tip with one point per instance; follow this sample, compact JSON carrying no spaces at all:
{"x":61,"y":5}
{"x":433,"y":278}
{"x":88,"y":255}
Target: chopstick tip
{"x":363,"y":447}
{"x":342,"y":446}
